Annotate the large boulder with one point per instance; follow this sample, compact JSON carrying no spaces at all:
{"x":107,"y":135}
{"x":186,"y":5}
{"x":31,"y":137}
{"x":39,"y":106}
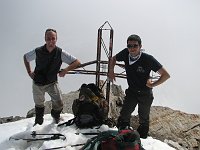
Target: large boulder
{"x":173,"y":127}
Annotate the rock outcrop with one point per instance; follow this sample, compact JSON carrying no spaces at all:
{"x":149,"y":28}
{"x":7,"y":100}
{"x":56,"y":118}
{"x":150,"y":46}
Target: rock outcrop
{"x":10,"y":119}
{"x":176,"y":126}
{"x":173,"y":127}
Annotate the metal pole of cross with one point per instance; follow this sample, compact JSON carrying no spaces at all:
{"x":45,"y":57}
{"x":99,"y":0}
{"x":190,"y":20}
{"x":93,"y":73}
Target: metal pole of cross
{"x":100,"y":44}
{"x":105,"y":65}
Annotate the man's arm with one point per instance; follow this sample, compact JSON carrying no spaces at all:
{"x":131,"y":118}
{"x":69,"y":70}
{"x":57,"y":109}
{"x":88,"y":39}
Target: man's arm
{"x":111,"y":73}
{"x":72,"y":66}
{"x":164,"y":75}
{"x":28,"y":67}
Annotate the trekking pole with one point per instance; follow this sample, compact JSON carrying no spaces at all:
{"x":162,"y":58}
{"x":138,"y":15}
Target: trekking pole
{"x":36,"y":137}
{"x":54,"y":135}
{"x":59,"y":147}
{"x":67,"y":123}
{"x":89,"y":133}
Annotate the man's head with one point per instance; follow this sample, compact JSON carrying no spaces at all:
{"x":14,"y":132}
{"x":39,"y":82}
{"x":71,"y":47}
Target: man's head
{"x":134,"y":37}
{"x":50,"y":39}
{"x":134,"y":44}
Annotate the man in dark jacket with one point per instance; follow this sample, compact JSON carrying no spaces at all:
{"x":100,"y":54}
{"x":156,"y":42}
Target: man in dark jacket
{"x":48,"y":60}
{"x":138,"y":66}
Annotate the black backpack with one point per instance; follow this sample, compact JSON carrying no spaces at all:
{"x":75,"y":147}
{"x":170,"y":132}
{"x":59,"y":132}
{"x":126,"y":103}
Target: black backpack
{"x":90,"y":109}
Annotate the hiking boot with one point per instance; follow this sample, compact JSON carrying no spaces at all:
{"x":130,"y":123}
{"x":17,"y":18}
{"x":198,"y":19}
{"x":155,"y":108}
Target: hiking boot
{"x":58,"y":120}
{"x":143,"y":131}
{"x":121,"y":125}
{"x":144,"y":136}
{"x":56,"y":115}
{"x":39,"y":113}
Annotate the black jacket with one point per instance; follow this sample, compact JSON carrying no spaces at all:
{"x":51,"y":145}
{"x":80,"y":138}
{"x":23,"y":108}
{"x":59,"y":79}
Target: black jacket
{"x":47,"y":65}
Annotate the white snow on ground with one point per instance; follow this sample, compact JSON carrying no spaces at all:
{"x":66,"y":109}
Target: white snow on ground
{"x":25,"y":127}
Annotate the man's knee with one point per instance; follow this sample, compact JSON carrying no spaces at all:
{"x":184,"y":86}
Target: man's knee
{"x":57,"y":105}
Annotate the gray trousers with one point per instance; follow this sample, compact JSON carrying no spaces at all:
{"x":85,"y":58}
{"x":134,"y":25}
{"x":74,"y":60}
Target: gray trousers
{"x":133,"y":98}
{"x":54,"y":92}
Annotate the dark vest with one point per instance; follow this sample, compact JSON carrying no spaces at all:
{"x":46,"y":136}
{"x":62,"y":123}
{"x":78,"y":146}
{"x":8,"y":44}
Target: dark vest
{"x":47,"y":65}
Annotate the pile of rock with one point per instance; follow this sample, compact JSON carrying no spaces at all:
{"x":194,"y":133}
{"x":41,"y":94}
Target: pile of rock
{"x":10,"y":119}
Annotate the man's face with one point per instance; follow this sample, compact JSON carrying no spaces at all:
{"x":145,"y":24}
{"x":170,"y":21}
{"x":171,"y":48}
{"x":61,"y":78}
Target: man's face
{"x":50,"y":38}
{"x":133,"y":47}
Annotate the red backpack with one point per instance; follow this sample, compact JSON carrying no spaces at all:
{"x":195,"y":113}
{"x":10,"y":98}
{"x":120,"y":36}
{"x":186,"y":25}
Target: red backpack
{"x":124,"y":140}
{"x":114,"y":140}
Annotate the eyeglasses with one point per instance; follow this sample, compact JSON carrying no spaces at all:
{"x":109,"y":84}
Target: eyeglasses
{"x":47,"y":30}
{"x":132,"y":45}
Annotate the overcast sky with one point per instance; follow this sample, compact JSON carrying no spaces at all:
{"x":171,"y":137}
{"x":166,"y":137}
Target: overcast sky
{"x":169,"y":30}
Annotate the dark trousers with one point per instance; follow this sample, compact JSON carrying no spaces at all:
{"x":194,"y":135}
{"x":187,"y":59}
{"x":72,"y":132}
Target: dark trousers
{"x":133,"y":98}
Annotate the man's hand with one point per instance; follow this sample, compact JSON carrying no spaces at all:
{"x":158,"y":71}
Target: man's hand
{"x":149,"y":83}
{"x":164,"y":75}
{"x":62,"y":73}
{"x":72,"y":66}
{"x":31,"y":74}
{"x":111,"y":76}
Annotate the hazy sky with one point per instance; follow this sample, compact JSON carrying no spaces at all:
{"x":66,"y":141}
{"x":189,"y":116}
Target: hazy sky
{"x":170,"y":31}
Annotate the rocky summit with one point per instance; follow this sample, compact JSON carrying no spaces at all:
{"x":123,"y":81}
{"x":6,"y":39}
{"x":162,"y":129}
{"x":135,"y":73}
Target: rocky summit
{"x":178,"y":129}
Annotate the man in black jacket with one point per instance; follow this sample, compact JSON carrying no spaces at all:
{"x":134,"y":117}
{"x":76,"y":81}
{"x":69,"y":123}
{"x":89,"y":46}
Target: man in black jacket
{"x":48,"y":60}
{"x":138,"y":66}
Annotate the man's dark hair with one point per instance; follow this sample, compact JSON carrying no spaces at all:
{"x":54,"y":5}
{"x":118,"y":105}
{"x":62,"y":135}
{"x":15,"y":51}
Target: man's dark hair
{"x":50,"y":29}
{"x":134,"y":37}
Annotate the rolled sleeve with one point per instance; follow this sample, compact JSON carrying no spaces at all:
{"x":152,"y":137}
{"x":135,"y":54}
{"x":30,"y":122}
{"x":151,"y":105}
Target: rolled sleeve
{"x":67,"y":58}
{"x":30,"y":55}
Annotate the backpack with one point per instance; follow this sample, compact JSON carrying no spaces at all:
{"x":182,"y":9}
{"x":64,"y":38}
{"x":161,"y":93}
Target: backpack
{"x":90,"y":109}
{"x":115,"y":140}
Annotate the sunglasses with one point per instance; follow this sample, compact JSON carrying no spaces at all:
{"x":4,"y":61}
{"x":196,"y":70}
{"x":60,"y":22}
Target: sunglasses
{"x":132,"y":45}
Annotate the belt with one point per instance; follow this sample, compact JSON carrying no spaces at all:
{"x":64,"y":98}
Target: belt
{"x":141,"y":91}
{"x":43,"y":84}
